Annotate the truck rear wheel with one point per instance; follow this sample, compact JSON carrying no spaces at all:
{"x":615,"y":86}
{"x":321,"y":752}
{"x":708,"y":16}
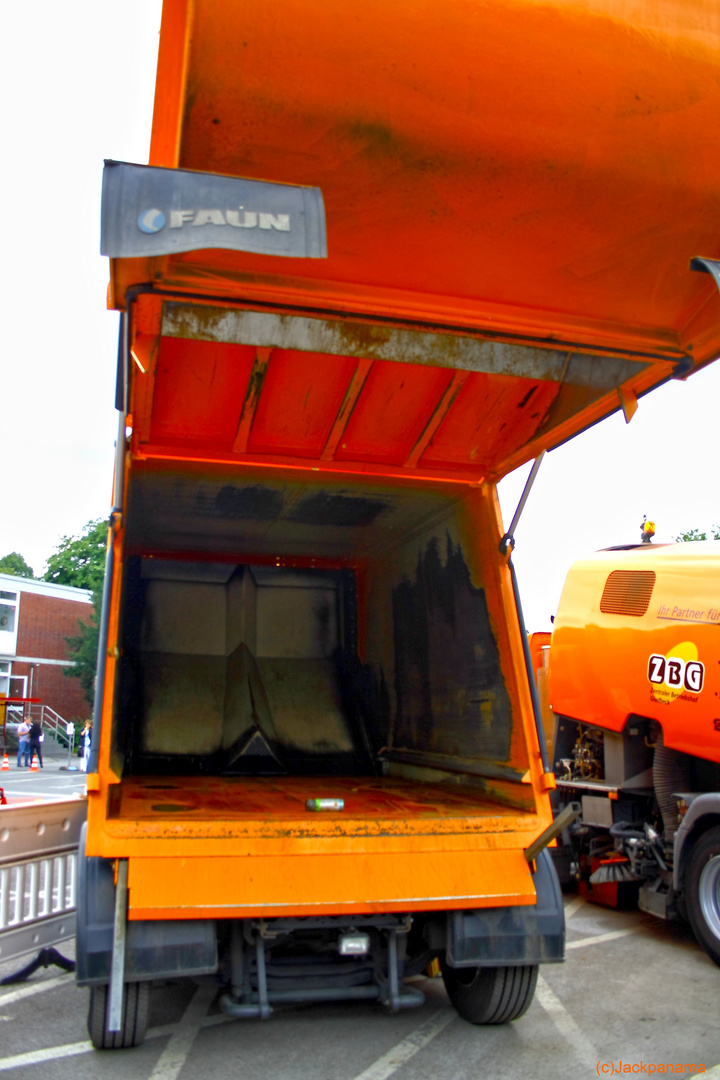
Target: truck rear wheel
{"x":136,"y":1006}
{"x":702,"y":892}
{"x":493,"y":995}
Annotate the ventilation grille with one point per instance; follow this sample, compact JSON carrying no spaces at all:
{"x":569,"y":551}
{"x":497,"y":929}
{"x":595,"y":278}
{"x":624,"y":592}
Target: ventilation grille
{"x":628,"y":592}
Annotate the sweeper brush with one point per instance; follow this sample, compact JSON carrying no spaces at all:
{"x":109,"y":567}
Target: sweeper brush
{"x":611,"y":871}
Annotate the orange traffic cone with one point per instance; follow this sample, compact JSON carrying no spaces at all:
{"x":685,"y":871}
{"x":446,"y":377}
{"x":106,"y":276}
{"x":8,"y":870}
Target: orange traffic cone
{"x":5,"y":767}
{"x":34,"y":767}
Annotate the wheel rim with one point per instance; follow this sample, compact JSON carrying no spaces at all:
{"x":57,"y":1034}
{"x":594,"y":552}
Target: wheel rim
{"x":709,"y":895}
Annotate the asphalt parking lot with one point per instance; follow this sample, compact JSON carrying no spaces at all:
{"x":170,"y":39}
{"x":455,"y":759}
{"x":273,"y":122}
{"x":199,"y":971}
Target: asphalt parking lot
{"x":635,"y":996}
{"x":53,"y":781}
{"x":633,"y":992}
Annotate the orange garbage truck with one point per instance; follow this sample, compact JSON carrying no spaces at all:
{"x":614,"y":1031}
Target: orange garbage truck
{"x":634,"y":683}
{"x":382,"y":255}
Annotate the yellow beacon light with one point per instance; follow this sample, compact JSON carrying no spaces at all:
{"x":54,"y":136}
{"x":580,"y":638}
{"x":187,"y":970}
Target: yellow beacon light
{"x":647,"y":531}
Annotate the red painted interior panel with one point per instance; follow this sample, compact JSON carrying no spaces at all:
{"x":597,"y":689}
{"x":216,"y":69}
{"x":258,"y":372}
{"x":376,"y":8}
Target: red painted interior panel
{"x":490,"y":412}
{"x":394,"y":407}
{"x":200,"y":387}
{"x":300,"y":399}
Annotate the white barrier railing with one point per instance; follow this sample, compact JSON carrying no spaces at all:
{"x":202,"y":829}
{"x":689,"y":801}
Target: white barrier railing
{"x":38,"y":874}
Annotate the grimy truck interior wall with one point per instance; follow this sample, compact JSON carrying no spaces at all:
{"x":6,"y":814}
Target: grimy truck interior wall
{"x":309,"y":626}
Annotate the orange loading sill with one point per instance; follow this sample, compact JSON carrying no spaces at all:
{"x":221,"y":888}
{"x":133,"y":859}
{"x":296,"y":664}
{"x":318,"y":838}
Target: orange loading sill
{"x":250,"y":847}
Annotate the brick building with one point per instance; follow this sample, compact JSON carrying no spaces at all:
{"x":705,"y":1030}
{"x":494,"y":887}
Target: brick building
{"x":35,"y":619}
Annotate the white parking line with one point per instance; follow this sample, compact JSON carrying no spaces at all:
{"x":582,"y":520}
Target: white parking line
{"x":52,"y":1053}
{"x":566,"y":1026}
{"x":30,"y":991}
{"x":391,"y":1062}
{"x":44,"y":796}
{"x":175,"y":1053}
{"x":600,"y":939}
{"x":574,"y":906}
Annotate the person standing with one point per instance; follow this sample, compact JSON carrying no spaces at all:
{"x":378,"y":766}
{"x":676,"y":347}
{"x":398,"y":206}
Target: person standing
{"x":85,"y":742}
{"x":35,"y":739}
{"x":23,"y":732}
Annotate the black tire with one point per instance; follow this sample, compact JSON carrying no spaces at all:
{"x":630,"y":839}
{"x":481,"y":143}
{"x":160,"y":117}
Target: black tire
{"x":702,"y":892}
{"x":494,"y":995}
{"x":136,"y":1006}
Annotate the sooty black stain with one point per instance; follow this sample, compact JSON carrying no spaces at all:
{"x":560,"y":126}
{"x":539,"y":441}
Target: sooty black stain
{"x":255,"y":503}
{"x":337,"y":509}
{"x":451,"y":695}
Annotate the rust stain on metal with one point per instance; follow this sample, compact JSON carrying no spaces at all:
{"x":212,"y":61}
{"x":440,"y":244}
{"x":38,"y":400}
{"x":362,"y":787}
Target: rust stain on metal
{"x":432,"y":345}
{"x":252,"y":399}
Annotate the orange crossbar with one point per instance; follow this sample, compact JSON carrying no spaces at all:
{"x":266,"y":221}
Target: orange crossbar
{"x":332,"y":885}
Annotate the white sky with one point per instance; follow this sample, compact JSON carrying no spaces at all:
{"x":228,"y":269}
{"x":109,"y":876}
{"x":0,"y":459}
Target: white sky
{"x":593,"y":492}
{"x":77,"y":78}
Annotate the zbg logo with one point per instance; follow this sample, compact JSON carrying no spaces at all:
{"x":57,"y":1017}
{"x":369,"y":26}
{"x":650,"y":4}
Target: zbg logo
{"x":676,"y":672}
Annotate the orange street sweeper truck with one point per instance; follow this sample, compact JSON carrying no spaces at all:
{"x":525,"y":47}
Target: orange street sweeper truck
{"x":634,"y":683}
{"x":382,"y":255}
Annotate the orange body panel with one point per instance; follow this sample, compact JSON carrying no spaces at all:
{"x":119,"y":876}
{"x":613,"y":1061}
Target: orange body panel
{"x":516,"y":174}
{"x":538,"y":642}
{"x":334,"y":885}
{"x":601,"y":668}
{"x":541,"y":169}
{"x":264,"y":854}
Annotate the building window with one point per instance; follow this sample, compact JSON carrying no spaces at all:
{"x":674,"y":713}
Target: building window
{"x":8,"y":608}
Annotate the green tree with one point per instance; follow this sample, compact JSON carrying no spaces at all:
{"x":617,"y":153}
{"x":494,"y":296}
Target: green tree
{"x":80,"y":561}
{"x":15,"y":564}
{"x":696,"y":534}
{"x":83,"y":649}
